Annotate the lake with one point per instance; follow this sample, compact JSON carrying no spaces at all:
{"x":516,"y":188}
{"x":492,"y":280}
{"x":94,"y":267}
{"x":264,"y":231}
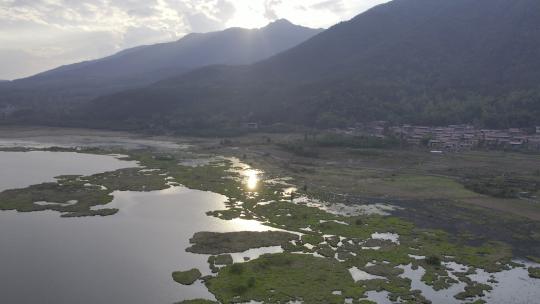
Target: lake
{"x":22,"y":169}
{"x":125,"y":258}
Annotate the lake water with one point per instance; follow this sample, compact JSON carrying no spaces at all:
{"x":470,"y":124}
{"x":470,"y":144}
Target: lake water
{"x":125,"y":258}
{"x":22,"y":169}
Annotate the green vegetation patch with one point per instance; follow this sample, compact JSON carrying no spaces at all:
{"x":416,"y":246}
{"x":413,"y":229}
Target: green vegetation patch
{"x":534,"y":272}
{"x":534,"y":259}
{"x":473,"y":290}
{"x":346,"y":236}
{"x":502,"y":186}
{"x":68,"y":198}
{"x":74,"y":195}
{"x":299,"y":149}
{"x":218,"y":243}
{"x":424,"y":187}
{"x":130,"y":179}
{"x":280,"y":278}
{"x":186,"y":277}
{"x":224,"y":259}
{"x":98,"y":212}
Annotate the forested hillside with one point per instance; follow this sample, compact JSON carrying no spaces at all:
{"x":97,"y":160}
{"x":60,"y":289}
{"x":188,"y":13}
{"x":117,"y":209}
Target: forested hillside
{"x":62,"y":89}
{"x":415,"y":61}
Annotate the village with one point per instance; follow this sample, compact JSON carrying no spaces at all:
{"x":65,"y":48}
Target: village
{"x":453,"y":137}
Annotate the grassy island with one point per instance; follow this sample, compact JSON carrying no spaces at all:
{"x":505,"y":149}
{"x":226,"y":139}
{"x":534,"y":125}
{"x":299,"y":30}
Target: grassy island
{"x":534,"y":272}
{"x":217,"y":243}
{"x":186,"y":277}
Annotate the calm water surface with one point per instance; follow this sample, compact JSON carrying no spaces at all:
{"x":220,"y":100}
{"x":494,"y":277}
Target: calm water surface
{"x":125,"y":258}
{"x":22,"y":169}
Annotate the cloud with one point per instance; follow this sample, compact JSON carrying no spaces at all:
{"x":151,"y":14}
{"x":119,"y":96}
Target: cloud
{"x":66,"y":31}
{"x":336,"y":6}
{"x":174,"y":18}
{"x":269,"y":10}
{"x":209,"y":16}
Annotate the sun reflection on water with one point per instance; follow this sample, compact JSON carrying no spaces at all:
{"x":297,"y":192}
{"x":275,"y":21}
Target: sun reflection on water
{"x":251,"y":179}
{"x":247,"y":225}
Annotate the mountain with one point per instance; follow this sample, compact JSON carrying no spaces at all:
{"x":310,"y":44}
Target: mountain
{"x":144,"y":65}
{"x":415,"y":61}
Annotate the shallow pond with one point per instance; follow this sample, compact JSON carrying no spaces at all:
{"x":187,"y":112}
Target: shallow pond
{"x":22,"y":169}
{"x":513,"y":286}
{"x":125,"y":258}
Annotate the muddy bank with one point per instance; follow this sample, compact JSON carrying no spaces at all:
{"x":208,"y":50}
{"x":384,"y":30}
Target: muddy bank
{"x":42,"y":137}
{"x":473,"y":226}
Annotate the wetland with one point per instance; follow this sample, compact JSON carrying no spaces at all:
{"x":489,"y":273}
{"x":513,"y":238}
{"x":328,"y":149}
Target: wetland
{"x":201,"y":220}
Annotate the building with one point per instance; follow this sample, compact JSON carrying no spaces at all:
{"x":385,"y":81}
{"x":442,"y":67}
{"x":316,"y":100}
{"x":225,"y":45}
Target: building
{"x":450,"y":138}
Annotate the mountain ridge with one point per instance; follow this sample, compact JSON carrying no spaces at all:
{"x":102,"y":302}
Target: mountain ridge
{"x":421,"y":61}
{"x":144,"y":65}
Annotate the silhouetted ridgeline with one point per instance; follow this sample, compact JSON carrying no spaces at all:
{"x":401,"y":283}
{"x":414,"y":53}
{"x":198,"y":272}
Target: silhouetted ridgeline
{"x":63,"y":89}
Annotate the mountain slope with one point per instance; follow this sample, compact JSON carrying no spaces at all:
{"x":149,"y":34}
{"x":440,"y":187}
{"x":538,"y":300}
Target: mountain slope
{"x":422,"y":61}
{"x":147,"y":64}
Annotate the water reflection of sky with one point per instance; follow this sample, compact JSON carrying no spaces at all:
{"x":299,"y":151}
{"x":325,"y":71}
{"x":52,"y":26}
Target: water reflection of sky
{"x":22,"y":169}
{"x":128,"y":257}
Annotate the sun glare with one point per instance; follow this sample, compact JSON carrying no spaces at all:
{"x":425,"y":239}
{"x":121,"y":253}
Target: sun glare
{"x":249,"y":14}
{"x":251,"y":179}
{"x":247,"y":225}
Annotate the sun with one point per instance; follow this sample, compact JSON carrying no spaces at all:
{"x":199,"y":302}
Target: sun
{"x":249,"y":14}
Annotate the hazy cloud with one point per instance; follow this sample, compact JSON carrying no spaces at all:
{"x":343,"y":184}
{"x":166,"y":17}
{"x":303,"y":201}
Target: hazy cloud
{"x":337,"y":6}
{"x":269,"y":9}
{"x":40,"y":34}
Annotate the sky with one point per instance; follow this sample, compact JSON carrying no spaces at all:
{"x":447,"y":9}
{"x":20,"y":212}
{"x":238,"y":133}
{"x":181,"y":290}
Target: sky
{"x":37,"y":35}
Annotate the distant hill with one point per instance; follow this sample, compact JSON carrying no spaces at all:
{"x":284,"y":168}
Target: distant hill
{"x":419,"y":61}
{"x":140,"y":66}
